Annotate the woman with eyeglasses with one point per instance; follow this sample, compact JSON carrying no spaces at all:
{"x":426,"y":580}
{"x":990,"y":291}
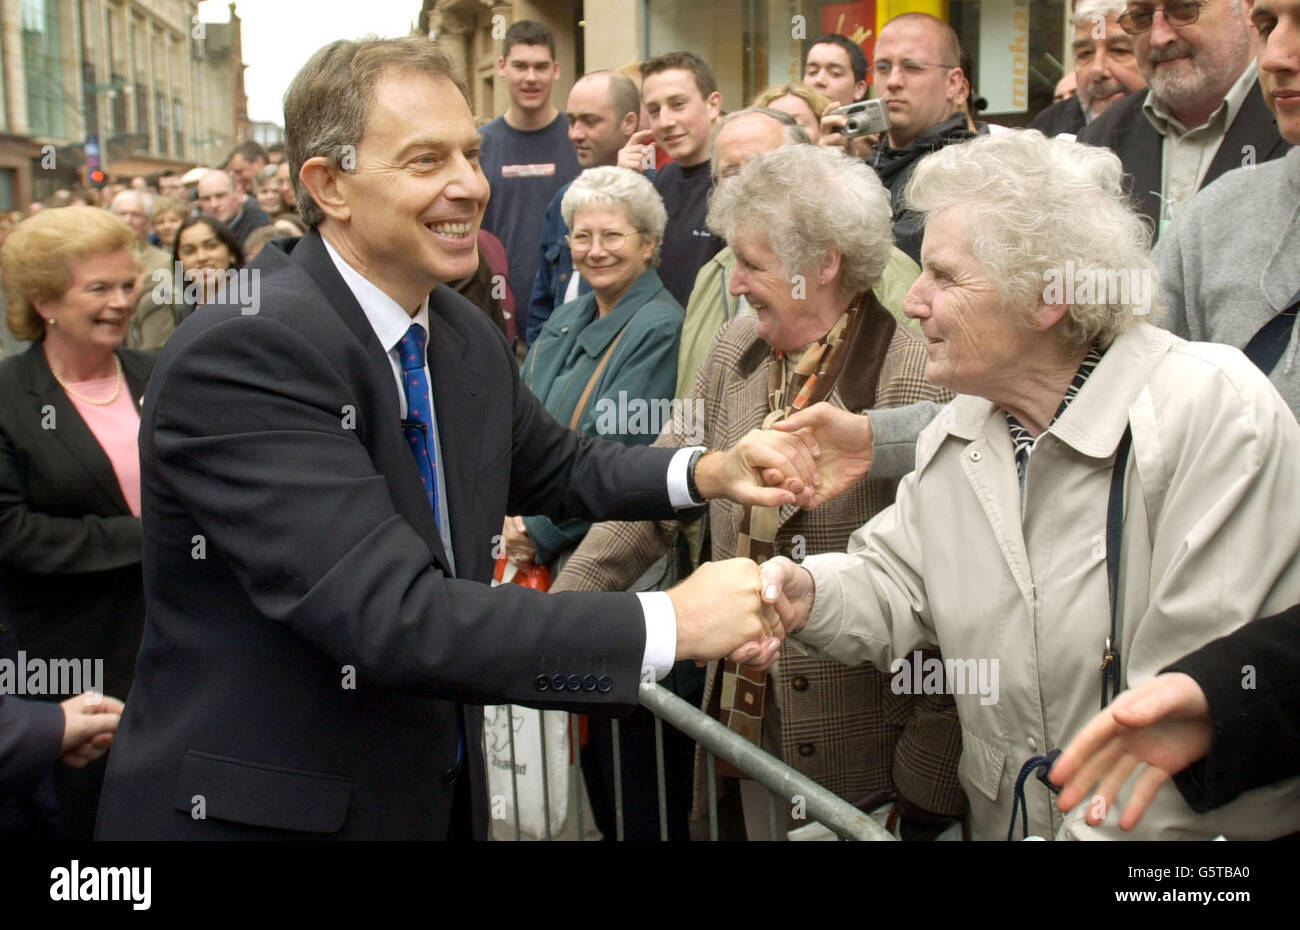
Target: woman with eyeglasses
{"x":606,"y":355}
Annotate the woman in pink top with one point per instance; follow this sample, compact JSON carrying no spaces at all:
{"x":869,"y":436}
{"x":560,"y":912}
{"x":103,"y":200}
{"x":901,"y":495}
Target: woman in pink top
{"x":70,"y":537}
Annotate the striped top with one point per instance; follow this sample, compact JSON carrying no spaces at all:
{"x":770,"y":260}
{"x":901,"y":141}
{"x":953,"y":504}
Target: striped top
{"x":1022,"y":442}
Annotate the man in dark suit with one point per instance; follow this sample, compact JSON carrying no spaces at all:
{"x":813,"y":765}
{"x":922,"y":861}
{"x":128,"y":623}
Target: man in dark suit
{"x":1202,"y":115}
{"x":1105,"y":69}
{"x":320,"y":521}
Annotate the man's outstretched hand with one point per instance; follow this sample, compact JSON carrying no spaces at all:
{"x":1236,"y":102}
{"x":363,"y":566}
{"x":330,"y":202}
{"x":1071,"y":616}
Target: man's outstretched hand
{"x":788,"y":590}
{"x":719,"y":610}
{"x":840,"y":443}
{"x":764,"y":469}
{"x":1164,"y":722}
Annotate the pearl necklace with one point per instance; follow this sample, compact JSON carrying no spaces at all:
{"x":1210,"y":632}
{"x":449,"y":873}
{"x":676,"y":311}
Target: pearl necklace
{"x":117,"y":386}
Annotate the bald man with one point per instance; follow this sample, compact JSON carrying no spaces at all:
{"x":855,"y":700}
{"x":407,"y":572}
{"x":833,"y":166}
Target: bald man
{"x":603,"y":110}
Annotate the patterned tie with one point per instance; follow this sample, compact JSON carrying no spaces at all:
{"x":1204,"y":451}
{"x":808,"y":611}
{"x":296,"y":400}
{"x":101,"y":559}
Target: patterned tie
{"x":419,"y":415}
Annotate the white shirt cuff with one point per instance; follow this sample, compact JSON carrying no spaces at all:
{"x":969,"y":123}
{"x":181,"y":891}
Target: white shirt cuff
{"x":678,"y":493}
{"x":660,"y":635}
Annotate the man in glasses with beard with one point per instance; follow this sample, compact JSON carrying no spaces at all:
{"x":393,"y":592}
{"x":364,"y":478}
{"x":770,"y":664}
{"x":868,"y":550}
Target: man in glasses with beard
{"x":1203,"y":114}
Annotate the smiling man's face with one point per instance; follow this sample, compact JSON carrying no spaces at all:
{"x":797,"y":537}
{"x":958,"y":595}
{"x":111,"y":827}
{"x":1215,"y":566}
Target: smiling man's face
{"x":1192,"y":67}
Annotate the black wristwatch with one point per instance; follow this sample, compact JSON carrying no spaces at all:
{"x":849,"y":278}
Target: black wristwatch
{"x":691,"y":488}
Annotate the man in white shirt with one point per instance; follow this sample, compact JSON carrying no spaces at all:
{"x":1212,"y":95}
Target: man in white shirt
{"x":323,"y":486}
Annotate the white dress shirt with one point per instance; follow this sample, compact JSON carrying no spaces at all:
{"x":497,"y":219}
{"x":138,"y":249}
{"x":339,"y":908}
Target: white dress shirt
{"x":390,"y":323}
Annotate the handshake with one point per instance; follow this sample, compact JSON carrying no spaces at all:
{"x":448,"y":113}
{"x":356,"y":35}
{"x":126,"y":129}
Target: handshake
{"x":736,"y":608}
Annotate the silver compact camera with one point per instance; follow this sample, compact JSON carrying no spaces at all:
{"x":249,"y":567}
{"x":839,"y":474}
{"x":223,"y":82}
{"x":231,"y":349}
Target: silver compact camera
{"x":865,"y":118}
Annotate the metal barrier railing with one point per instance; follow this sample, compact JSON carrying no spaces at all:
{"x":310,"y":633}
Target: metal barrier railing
{"x":783,"y":783}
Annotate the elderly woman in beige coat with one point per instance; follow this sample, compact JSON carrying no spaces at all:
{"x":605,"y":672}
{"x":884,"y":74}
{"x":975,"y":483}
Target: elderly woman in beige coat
{"x":996,"y":549}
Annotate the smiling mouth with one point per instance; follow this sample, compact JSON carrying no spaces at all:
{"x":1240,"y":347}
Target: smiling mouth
{"x":460,"y":230}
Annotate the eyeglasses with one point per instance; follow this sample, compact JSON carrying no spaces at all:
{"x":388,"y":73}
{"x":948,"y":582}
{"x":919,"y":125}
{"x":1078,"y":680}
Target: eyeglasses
{"x":611,"y":241}
{"x":911,"y":67}
{"x":1137,"y":20}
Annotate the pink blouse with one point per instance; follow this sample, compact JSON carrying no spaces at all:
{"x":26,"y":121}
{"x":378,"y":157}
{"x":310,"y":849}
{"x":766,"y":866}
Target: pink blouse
{"x":116,"y":427}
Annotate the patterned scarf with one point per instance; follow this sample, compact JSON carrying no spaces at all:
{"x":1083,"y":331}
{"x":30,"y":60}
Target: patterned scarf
{"x":1022,"y":442}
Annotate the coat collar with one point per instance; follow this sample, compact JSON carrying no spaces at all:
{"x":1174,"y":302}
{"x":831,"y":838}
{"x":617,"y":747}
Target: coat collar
{"x":70,"y":429}
{"x":1098,"y":416}
{"x":600,"y":332}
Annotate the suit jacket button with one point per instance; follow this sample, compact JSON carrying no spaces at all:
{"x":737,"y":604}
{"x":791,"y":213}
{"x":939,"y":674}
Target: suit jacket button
{"x":589,"y":683}
{"x":604,"y":684}
{"x":575,"y":682}
{"x":799,"y":683}
{"x":542,"y":683}
{"x":557,"y":682}
{"x":806,"y":749}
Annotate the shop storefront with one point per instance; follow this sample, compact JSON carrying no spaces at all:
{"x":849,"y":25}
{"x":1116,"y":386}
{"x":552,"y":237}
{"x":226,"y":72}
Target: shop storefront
{"x":1019,"y":48}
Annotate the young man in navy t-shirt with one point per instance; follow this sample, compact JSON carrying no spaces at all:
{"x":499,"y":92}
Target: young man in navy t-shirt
{"x":526,"y":153}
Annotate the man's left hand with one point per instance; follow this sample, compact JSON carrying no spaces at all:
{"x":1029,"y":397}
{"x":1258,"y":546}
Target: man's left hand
{"x":764,"y":469}
{"x":519,"y":549}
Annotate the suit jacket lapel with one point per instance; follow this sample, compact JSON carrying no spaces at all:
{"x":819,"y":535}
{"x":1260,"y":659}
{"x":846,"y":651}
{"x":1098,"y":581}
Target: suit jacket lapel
{"x":457,"y":378}
{"x":70,"y":429}
{"x":408,"y":493}
{"x":1142,"y":149}
{"x":1255,"y":127}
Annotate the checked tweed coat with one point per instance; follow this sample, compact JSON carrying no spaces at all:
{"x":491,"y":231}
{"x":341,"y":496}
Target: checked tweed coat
{"x":843,"y":727}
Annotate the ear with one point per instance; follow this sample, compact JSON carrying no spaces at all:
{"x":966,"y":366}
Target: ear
{"x":630,"y":122}
{"x":555,"y":71}
{"x":830,"y":266}
{"x":714,"y":102}
{"x":859,"y":91}
{"x":957,"y":84}
{"x":324,"y":182}
{"x":1045,"y":316}
{"x":501,"y":66}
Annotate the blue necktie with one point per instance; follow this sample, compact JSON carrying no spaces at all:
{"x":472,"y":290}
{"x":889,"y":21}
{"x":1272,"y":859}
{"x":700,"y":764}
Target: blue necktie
{"x":419,"y":414}
{"x":419,"y":433}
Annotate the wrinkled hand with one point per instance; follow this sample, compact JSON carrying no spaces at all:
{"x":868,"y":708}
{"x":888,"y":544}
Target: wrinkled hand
{"x":788,"y":589}
{"x":840,"y":441}
{"x":719,"y":610}
{"x":764,"y":469}
{"x":519,"y":549}
{"x":90,"y":720}
{"x":1164,"y":723}
{"x":638,"y":149}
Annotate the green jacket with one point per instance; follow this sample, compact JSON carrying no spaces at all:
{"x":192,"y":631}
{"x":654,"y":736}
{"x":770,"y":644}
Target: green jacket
{"x":711,"y":306}
{"x":630,"y":403}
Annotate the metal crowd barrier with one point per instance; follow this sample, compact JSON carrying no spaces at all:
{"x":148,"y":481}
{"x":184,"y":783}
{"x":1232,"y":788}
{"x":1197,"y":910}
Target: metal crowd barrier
{"x":782,"y":782}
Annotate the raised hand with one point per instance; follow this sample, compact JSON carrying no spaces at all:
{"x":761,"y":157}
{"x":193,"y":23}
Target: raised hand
{"x":518,"y":547}
{"x":719,"y":610}
{"x":1164,"y":722}
{"x":764,"y":469}
{"x":840,"y":441}
{"x":638,"y":153}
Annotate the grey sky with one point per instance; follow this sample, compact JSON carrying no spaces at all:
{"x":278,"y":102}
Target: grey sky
{"x":280,"y":35}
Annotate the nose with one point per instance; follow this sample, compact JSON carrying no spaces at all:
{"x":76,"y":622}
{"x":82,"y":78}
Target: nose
{"x":469,"y":183}
{"x":895,"y":78}
{"x":1281,"y":52}
{"x":120,"y":298}
{"x":1162,"y":33}
{"x":739,"y":285}
{"x":916,"y":303}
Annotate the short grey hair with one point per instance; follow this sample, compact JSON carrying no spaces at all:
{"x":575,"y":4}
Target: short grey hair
{"x":611,"y":186}
{"x":1045,"y":208}
{"x":807,"y":199}
{"x":794,"y":133}
{"x":1087,"y":11}
{"x":326,"y":106}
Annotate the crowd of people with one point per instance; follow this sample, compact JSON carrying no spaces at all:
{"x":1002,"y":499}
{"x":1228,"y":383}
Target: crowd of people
{"x":1013,"y":406}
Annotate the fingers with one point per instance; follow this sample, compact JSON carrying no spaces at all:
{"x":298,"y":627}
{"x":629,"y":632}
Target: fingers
{"x":1099,"y":731}
{"x":1165,"y":696}
{"x":764,"y":450}
{"x":1145,"y":789}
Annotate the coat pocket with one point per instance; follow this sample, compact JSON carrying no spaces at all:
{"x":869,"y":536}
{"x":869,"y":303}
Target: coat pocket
{"x":981,"y":764}
{"x":262,"y":795}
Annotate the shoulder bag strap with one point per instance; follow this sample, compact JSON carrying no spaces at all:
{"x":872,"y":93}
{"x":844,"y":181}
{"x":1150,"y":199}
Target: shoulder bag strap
{"x":579,"y":410}
{"x":1266,"y":346}
{"x":1110,"y":663}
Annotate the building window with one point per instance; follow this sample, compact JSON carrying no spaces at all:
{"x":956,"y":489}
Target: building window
{"x":142,"y":115}
{"x":178,"y":129}
{"x":42,"y":64}
{"x":160,"y":107}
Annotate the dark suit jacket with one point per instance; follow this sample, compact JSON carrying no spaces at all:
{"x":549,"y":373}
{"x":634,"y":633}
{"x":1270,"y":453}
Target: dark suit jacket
{"x":70,"y":580}
{"x":69,"y":546}
{"x":309,"y":672}
{"x":1125,"y":130}
{"x":251,"y":217}
{"x":31,"y":736}
{"x":1063,"y":116}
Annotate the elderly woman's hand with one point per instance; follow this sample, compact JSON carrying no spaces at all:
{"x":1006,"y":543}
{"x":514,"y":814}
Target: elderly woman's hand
{"x":764,"y":469}
{"x":519,"y":549}
{"x":788,"y":590}
{"x":1164,"y":722}
{"x":840,"y":440}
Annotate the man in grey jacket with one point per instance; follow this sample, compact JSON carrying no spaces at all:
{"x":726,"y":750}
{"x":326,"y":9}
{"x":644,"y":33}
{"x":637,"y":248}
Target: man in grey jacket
{"x":1230,"y":265}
